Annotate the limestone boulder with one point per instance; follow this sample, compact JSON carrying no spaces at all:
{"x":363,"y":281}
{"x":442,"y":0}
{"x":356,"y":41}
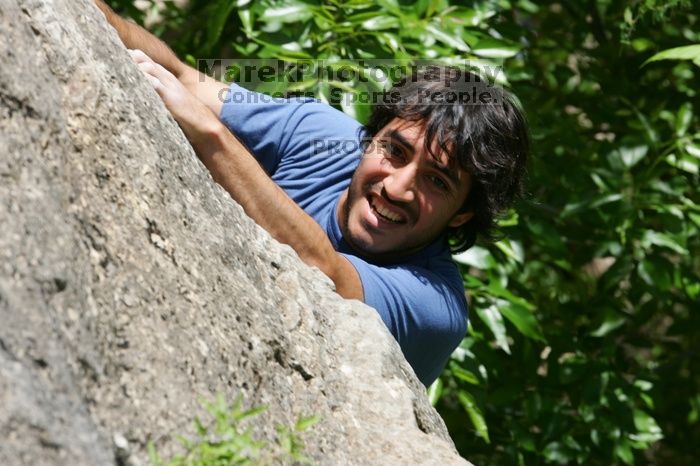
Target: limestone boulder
{"x":132,"y":286}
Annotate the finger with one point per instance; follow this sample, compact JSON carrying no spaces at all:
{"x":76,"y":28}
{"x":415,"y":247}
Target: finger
{"x":149,"y":70}
{"x":139,"y":56}
{"x":160,"y":72}
{"x":147,"y":67}
{"x":155,"y":82}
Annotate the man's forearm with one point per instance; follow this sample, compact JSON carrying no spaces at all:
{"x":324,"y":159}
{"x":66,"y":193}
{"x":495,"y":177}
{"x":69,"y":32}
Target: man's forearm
{"x":135,"y":37}
{"x":234,"y":168}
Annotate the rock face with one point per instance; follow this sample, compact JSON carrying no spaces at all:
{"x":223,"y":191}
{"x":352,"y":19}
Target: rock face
{"x":131,"y":285}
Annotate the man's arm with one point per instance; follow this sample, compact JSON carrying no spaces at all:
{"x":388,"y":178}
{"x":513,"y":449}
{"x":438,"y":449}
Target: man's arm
{"x":236,"y":170}
{"x":208,"y":90}
{"x":232,"y":166}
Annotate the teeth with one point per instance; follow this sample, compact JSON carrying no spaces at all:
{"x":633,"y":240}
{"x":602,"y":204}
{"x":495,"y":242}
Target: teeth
{"x":386,"y":213}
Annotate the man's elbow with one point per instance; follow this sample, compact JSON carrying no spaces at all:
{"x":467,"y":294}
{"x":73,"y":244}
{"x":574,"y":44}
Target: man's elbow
{"x":341,"y":272}
{"x":346,"y":279}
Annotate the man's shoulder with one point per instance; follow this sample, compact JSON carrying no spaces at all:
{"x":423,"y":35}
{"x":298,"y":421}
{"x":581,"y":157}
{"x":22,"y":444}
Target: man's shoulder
{"x":436,"y":261}
{"x":430,"y":277}
{"x":327,"y":129}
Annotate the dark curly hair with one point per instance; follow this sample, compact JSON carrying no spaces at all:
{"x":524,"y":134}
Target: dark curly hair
{"x":479,"y":124}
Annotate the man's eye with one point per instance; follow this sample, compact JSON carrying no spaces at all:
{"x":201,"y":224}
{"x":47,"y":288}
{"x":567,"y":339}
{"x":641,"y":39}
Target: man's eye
{"x":393,"y":150}
{"x":437,"y":181}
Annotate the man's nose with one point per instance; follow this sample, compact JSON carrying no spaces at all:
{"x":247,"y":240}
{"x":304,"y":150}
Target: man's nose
{"x":400,"y":185}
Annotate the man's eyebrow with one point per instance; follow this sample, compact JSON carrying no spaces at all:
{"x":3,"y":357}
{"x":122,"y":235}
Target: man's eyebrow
{"x":445,"y":170}
{"x":394,"y":134}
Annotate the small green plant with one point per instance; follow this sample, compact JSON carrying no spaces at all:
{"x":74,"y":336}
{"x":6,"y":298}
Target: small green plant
{"x":226,"y":439}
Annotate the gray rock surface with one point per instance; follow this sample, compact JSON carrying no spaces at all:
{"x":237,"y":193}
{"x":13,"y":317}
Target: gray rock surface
{"x":131,"y":285}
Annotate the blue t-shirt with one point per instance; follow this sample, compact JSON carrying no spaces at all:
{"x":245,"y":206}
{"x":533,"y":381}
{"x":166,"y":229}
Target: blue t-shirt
{"x":311,"y":150}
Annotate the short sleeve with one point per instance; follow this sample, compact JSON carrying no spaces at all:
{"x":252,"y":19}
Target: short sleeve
{"x":285,"y":130}
{"x":423,"y":311}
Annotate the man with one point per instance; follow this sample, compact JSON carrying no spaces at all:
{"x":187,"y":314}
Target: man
{"x":377,"y":216}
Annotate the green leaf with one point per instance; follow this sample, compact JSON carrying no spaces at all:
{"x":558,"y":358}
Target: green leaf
{"x":153,"y":456}
{"x":217,"y":20}
{"x":391,"y":6}
{"x":494,"y":321}
{"x":695,"y":218}
{"x":694,"y":414}
{"x":434,"y":391}
{"x":683,"y":118}
{"x":476,"y":256}
{"x":512,"y":249}
{"x":463,"y":374}
{"x":471,"y":17}
{"x":287,"y":12}
{"x":687,"y":164}
{"x":556,"y":452}
{"x":305,"y":422}
{"x":630,"y":156}
{"x":628,"y":16}
{"x":473,"y":283}
{"x":651,"y":133}
{"x":643,"y":385}
{"x":648,"y":431}
{"x":252,"y":412}
{"x":423,"y":8}
{"x":624,"y":451}
{"x":693,"y":149}
{"x":379,"y":23}
{"x":611,"y":322}
{"x":577,"y":207}
{"x":302,"y":86}
{"x":654,"y":275}
{"x":389,"y":40}
{"x":496,"y":290}
{"x":446,"y":38}
{"x":247,"y":21}
{"x":200,"y":427}
{"x":523,"y":320}
{"x":354,"y":20}
{"x":664,"y":240}
{"x":495,"y":48}
{"x":474,"y":414}
{"x":688,"y":52}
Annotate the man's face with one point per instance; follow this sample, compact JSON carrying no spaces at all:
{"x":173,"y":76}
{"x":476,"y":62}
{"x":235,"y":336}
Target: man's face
{"x":400,"y":197}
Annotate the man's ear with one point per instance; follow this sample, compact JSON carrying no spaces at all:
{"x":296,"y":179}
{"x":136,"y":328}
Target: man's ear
{"x":460,"y":219}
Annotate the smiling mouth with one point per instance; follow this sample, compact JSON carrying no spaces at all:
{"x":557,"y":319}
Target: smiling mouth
{"x":384,"y":213}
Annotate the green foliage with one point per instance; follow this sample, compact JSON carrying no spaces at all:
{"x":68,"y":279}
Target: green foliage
{"x":583,"y":342}
{"x":226,"y":440}
{"x":342,"y":34}
{"x":599,"y":258}
{"x":688,"y":52}
{"x":335,"y":36}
